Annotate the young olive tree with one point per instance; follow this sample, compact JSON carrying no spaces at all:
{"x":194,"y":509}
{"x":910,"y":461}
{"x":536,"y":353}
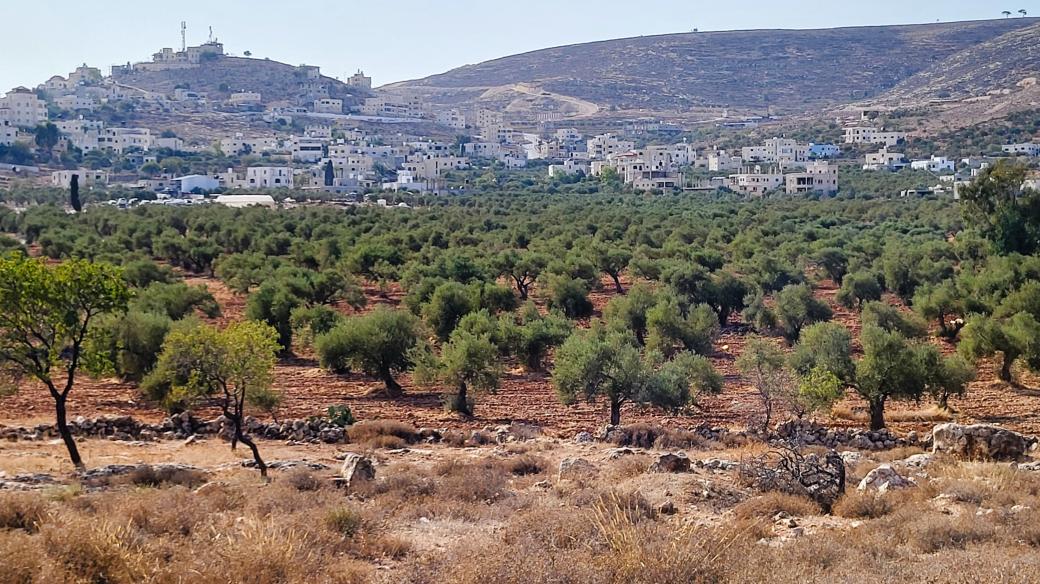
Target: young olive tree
{"x":467,"y":363}
{"x":46,"y":316}
{"x":234,"y":365}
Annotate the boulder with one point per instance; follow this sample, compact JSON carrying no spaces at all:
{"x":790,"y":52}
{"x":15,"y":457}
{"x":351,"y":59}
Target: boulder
{"x":671,"y":462}
{"x":884,"y":478}
{"x":356,"y":469}
{"x":576,"y":468}
{"x":617,"y":453}
{"x":583,"y":437}
{"x":980,"y":441}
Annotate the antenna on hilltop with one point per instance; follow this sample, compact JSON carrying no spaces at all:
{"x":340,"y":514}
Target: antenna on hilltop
{"x":184,"y":36}
{"x":211,"y":34}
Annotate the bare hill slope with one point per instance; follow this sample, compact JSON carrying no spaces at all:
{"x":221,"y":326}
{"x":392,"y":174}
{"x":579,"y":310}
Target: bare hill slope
{"x":790,"y":70}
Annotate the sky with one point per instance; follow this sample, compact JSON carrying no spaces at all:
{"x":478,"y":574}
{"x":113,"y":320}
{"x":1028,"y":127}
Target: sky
{"x":395,"y":40}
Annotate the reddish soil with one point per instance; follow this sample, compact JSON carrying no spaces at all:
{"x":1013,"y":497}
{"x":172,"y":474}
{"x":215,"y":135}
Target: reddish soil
{"x":525,"y":396}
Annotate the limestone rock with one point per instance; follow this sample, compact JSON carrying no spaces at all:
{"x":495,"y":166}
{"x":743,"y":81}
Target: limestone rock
{"x":884,"y":478}
{"x":576,"y":468}
{"x":356,"y":468}
{"x":980,"y":441}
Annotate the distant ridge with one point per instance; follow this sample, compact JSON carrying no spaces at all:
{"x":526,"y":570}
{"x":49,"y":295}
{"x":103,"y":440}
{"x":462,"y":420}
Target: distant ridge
{"x":785,"y":70}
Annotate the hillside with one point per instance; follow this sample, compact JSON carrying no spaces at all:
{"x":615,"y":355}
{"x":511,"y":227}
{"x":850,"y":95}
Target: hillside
{"x":789,"y":70}
{"x":219,"y":78}
{"x":997,"y":64}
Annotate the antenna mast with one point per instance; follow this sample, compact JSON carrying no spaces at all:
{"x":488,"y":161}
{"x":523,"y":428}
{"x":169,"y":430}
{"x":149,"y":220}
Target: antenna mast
{"x":184,"y":37}
{"x":211,"y":34}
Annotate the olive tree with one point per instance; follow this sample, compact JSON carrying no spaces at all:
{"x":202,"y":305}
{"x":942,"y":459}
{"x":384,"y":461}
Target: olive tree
{"x":46,"y":316}
{"x":379,"y":344}
{"x":796,"y":308}
{"x":467,"y":363}
{"x":235,"y":365}
{"x":605,"y":364}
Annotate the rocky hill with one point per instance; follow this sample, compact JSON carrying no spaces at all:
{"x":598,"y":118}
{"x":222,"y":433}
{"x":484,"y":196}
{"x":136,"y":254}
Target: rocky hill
{"x":788,"y":70}
{"x":1007,"y":62}
{"x":276,"y":82}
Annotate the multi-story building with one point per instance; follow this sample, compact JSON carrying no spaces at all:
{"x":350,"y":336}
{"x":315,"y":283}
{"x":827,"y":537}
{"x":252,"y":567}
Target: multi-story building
{"x":8,"y":133}
{"x":818,"y":177}
{"x":425,"y":166}
{"x":935,"y":164}
{"x":21,"y":107}
{"x":605,"y":145}
{"x":122,"y":139}
{"x":782,"y":151}
{"x":328,"y":105}
{"x":307,"y":149}
{"x":885,"y":160}
{"x":360,"y":80}
{"x":239,"y":144}
{"x":755,"y":182}
{"x":723,"y":161}
{"x":818,"y":151}
{"x":269,"y":177}
{"x":451,"y":118}
{"x":871,"y":135}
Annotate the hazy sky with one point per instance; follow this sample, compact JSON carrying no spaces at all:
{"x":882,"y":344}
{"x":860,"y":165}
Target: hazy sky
{"x":393,"y":40}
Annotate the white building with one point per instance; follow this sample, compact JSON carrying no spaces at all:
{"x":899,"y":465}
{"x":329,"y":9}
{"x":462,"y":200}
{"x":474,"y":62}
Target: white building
{"x":245,"y":98}
{"x":196,"y":183}
{"x":451,"y":118}
{"x":121,"y":139}
{"x":241,"y":201}
{"x":885,"y":160}
{"x":63,"y":178}
{"x":871,"y":135}
{"x":605,"y":145}
{"x":360,"y":80}
{"x":722,"y":161}
{"x":269,"y":177}
{"x":23,"y":108}
{"x":239,"y":144}
{"x":567,"y":167}
{"x":782,"y":151}
{"x":935,"y":164}
{"x":1028,"y":149}
{"x":75,"y":102}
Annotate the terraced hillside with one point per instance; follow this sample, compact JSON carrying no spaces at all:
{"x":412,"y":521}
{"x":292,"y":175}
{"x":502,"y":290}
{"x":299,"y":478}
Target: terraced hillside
{"x":789,"y":70}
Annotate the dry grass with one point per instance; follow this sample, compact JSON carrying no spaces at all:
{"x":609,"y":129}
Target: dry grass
{"x":382,"y":434}
{"x":25,"y":511}
{"x":770,"y":504}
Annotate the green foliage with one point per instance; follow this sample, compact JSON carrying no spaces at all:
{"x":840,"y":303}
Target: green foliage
{"x":1014,"y":337}
{"x":379,"y":343}
{"x":175,"y":300}
{"x":143,"y":273}
{"x":599,"y":363}
{"x":128,"y":344}
{"x":340,"y":416}
{"x":570,"y":296}
{"x":310,"y":322}
{"x":467,"y":363}
{"x":858,"y":288}
{"x":996,"y":205}
{"x":669,"y":332}
{"x":890,"y":318}
{"x":530,"y":335}
{"x":944,"y":304}
{"x":796,"y":307}
{"x":834,"y":262}
{"x":764,"y":365}
{"x":820,"y":389}
{"x":47,"y":313}
{"x":826,"y":346}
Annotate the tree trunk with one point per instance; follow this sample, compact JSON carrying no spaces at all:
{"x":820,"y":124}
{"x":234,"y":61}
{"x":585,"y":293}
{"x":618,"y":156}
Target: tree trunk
{"x":393,"y":389}
{"x":723,"y":317}
{"x":617,"y":283}
{"x":66,"y":434}
{"x":877,"y":414}
{"x":1005,"y":367}
{"x":459,"y":403}
{"x":260,"y":464}
{"x":615,"y":412}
